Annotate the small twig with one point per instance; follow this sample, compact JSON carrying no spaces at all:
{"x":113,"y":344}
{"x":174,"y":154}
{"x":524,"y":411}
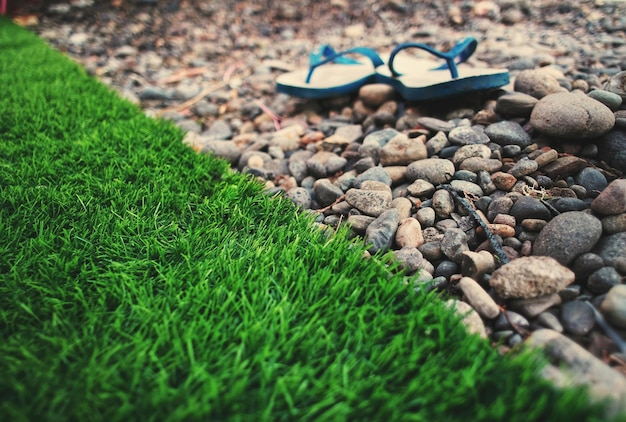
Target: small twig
{"x":205,"y":92}
{"x":493,"y":241}
{"x":338,"y":200}
{"x":275,"y":118}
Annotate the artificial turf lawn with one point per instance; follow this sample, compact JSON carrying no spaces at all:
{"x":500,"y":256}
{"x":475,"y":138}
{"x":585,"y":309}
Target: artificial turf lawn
{"x":142,"y":281}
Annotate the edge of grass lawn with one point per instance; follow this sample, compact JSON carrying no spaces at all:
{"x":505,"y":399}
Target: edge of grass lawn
{"x":142,"y":281}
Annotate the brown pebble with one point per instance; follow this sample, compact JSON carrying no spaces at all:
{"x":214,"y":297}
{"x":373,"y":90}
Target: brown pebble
{"x":533,"y":224}
{"x":546,"y":157}
{"x":501,"y":230}
{"x":506,"y":219}
{"x":503,"y":181}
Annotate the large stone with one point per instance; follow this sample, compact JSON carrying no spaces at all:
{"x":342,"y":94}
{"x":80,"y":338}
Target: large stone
{"x":530,"y":277}
{"x":433,"y":170}
{"x":567,"y":236}
{"x":573,"y":365}
{"x":571,"y":116}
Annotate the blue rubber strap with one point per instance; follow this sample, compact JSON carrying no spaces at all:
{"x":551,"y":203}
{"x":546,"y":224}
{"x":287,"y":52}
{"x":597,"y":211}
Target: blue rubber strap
{"x":457,"y":54}
{"x":324,"y":51}
{"x":367,"y":52}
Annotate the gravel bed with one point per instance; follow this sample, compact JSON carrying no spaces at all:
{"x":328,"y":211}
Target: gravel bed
{"x":511,"y":201}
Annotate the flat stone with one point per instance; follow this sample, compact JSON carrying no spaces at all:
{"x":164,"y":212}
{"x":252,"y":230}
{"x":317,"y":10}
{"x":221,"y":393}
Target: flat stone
{"x":380,"y":233}
{"x":435,"y":125}
{"x":612,"y":200}
{"x":463,"y":186}
{"x":380,"y":137}
{"x":516,"y":104}
{"x":614,"y":306}
{"x":479,"y":298}
{"x":617,"y":84}
{"x":536,"y":305}
{"x":530,"y":277}
{"x":523,"y":168}
{"x":476,"y":164}
{"x":508,"y":133}
{"x":567,"y":236}
{"x":547,"y":158}
{"x":433,"y":170}
{"x":571,"y":116}
{"x":581,"y":369}
{"x":466,"y":135}
{"x":401,"y":150}
{"x":369,"y":202}
{"x":549,"y":320}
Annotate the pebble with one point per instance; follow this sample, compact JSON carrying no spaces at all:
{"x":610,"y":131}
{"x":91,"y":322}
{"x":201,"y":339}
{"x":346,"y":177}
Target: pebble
{"x":567,"y":236}
{"x":609,"y":99}
{"x":433,"y":170}
{"x":471,"y":319}
{"x":508,"y":133}
{"x":530,"y":277}
{"x":402,"y":150}
{"x":611,"y":200}
{"x":592,"y":180}
{"x":617,"y":84}
{"x":534,"y":306}
{"x":614,"y":306}
{"x":470,"y":151}
{"x":523,"y":168}
{"x":603,"y":279}
{"x":479,"y":298}
{"x":563,"y":167}
{"x":300,"y":196}
{"x":454,"y":243}
{"x":516,"y":104}
{"x":369,"y":202}
{"x":611,"y":248}
{"x":410,"y":259}
{"x":409,"y":233}
{"x":577,"y":318}
{"x":581,"y":368}
{"x":536,"y":83}
{"x":503,"y":181}
{"x":549,"y":320}
{"x":374,"y":95}
{"x":326,"y":192}
{"x":380,"y":233}
{"x":614,"y":223}
{"x":466,"y":135}
{"x":528,"y":207}
{"x":571,"y":116}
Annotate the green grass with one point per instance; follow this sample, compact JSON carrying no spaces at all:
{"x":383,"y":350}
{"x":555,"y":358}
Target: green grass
{"x":142,"y":281}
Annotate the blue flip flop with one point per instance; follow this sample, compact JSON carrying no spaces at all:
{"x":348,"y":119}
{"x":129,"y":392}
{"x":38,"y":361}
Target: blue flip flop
{"x":418,"y":80}
{"x":331,"y":74}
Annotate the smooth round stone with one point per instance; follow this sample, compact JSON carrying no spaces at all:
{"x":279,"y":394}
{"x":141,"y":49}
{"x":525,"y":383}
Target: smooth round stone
{"x":375,"y":173}
{"x":571,"y":116}
{"x":614,"y":306}
{"x":479,"y":298}
{"x":585,"y":265}
{"x":592,"y":180}
{"x":614,"y":223}
{"x":446,"y":268}
{"x":577,"y":317}
{"x":466,"y":135}
{"x":536,"y":83}
{"x":409,"y":258}
{"x":443,"y":204}
{"x":612,"y":149}
{"x":508,"y":133}
{"x":510,"y":151}
{"x":433,"y":170}
{"x":326,"y":192}
{"x":373,"y":95}
{"x":602,"y":280}
{"x":503,"y":181}
{"x":426,"y":216}
{"x":409,"y":233}
{"x":516,"y":104}
{"x":465,"y":186}
{"x":431,"y":251}
{"x":529,"y":207}
{"x":568,"y":204}
{"x":499,"y":206}
{"x":609,"y":99}
{"x":612,"y":200}
{"x":468,"y":176}
{"x":421,"y":188}
{"x":567,"y":236}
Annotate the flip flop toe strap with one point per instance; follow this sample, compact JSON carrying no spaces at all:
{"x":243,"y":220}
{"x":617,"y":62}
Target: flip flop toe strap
{"x":327,"y":55}
{"x":457,"y":54}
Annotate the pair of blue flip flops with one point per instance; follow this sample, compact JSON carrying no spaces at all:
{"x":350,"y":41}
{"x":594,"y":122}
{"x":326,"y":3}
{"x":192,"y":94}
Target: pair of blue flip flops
{"x":332,"y":73}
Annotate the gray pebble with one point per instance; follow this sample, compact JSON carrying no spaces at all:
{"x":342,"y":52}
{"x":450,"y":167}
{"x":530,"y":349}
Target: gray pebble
{"x":527,"y":207}
{"x":516,"y":104}
{"x":375,"y":173}
{"x":464,"y":135}
{"x":603,"y":279}
{"x":326,"y":192}
{"x":549,"y":320}
{"x":380,"y":233}
{"x":433,"y":170}
{"x":523,"y":168}
{"x":454,"y":243}
{"x":577,"y":317}
{"x":611,"y":248}
{"x":426,"y":216}
{"x":508,"y":133}
{"x":592,"y":180}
